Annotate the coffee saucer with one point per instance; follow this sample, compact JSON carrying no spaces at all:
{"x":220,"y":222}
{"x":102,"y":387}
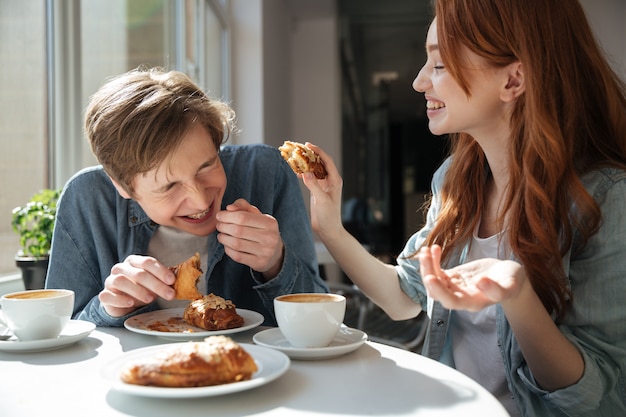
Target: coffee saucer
{"x":74,"y":331}
{"x":347,"y":340}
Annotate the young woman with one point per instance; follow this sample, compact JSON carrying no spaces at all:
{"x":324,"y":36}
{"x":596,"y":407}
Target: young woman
{"x":521,"y":265}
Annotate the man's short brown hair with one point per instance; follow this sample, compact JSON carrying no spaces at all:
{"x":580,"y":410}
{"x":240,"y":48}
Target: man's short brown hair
{"x":136,"y":120}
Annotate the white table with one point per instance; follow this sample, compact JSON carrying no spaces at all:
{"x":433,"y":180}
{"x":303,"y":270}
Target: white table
{"x":375,"y":380}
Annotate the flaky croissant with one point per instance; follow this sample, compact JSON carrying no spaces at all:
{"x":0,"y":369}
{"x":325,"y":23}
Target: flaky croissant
{"x":187,"y":274}
{"x":302,"y":159}
{"x":215,"y":361}
{"x":212,"y":312}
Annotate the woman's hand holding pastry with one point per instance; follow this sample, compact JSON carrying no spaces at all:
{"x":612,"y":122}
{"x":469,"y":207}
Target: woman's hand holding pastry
{"x":136,"y":282}
{"x":471,"y":286}
{"x":251,"y":238}
{"x":325,"y":200}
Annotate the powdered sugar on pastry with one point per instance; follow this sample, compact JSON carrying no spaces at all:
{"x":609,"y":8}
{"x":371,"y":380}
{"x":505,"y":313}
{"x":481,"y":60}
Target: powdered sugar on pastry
{"x":212,"y":312}
{"x":217,"y":360}
{"x":302,"y":159}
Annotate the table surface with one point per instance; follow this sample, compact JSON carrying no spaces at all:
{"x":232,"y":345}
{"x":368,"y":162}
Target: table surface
{"x":375,"y":379}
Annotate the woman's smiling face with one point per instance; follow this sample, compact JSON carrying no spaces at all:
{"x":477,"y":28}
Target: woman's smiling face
{"x":449,"y":108}
{"x":186,"y":190}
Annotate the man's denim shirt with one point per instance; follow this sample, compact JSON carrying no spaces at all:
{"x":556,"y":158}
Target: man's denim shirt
{"x":596,"y":324}
{"x":97,"y":228}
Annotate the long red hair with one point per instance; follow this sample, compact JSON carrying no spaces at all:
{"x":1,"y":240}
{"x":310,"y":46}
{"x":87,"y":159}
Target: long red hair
{"x":570,"y":120}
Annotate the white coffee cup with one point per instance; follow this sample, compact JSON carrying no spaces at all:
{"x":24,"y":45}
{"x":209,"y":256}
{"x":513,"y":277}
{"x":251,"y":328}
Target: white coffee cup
{"x":310,"y":320}
{"x":37,"y":314}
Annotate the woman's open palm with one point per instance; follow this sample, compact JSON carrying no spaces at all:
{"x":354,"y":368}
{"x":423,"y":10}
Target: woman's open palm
{"x":471,"y":286}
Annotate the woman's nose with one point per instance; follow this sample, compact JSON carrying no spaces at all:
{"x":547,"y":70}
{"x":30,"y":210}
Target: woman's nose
{"x":421,"y":82}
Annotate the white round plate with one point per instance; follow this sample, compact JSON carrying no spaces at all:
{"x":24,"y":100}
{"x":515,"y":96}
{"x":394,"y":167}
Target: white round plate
{"x":177,"y":331}
{"x":347,"y":340}
{"x":271,"y":364}
{"x":74,"y":331}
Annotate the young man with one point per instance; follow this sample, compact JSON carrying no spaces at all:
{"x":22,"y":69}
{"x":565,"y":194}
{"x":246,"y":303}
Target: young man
{"x":167,"y":189}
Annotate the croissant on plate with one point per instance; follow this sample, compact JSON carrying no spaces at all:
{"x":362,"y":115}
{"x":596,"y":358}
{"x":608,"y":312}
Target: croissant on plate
{"x":212,"y":312}
{"x":215,"y":361}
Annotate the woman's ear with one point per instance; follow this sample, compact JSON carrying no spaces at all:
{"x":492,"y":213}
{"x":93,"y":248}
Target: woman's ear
{"x":516,"y":84}
{"x":120,"y":189}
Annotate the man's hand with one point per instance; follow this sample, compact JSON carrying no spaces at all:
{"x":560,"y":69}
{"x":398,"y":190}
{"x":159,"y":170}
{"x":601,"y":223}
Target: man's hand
{"x":136,"y":282}
{"x":251,"y":238}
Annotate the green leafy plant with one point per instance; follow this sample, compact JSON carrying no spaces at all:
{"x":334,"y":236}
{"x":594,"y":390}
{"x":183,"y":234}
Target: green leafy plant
{"x":34,"y":223}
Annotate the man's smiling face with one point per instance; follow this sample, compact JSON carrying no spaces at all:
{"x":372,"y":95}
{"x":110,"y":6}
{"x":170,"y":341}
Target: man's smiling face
{"x":185,"y":191}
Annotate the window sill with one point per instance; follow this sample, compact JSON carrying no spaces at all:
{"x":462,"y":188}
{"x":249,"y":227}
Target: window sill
{"x":11,"y":283}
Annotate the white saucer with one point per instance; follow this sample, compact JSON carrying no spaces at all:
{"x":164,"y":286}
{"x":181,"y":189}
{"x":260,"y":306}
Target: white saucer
{"x":347,"y":340}
{"x":74,"y":331}
{"x":270,"y":362}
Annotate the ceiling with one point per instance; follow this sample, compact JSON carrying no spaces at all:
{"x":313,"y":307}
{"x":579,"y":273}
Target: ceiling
{"x":382,"y":44}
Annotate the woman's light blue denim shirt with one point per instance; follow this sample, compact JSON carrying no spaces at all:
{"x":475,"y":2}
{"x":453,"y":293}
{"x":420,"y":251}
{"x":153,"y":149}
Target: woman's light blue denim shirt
{"x":97,"y":228}
{"x":596,"y":323}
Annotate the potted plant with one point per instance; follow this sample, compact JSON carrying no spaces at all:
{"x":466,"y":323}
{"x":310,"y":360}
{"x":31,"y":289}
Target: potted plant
{"x":34,"y":223}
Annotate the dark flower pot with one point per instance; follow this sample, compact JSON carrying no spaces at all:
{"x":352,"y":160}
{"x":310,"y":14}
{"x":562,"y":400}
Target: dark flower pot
{"x":34,"y":271}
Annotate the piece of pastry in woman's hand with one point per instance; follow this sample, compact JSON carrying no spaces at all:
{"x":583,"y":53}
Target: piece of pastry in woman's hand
{"x":187,"y":274}
{"x":212,"y":312}
{"x":302,"y":159}
{"x":215,"y":361}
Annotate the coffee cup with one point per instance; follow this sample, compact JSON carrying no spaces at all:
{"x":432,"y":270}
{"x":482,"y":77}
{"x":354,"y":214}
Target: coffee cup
{"x":37,"y":314}
{"x":309,"y":320}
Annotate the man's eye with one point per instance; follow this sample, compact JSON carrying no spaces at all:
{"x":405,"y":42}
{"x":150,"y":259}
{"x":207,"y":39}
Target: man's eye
{"x":169,"y":188}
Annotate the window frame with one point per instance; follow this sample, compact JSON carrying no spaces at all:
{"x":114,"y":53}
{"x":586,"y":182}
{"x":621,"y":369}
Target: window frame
{"x":63,"y":61}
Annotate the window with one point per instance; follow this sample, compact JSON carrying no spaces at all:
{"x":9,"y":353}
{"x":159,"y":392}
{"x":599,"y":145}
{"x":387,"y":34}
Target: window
{"x":66,"y":51}
{"x":23,"y":151}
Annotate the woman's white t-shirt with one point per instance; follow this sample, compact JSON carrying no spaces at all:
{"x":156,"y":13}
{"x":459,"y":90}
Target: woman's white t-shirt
{"x":475,"y":347}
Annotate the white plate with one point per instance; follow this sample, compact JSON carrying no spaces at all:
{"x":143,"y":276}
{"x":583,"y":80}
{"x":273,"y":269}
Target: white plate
{"x":347,"y":340}
{"x":74,"y":331}
{"x":271,"y":364}
{"x":181,"y":330}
